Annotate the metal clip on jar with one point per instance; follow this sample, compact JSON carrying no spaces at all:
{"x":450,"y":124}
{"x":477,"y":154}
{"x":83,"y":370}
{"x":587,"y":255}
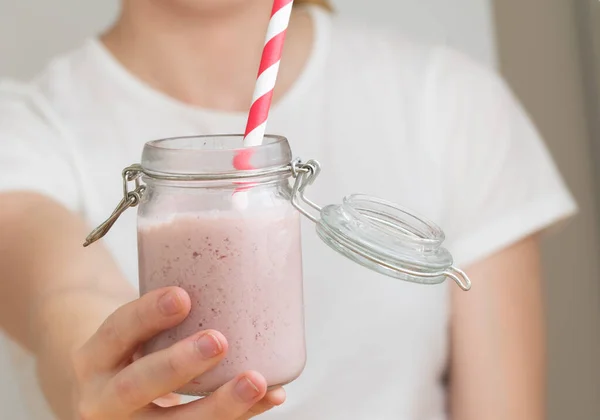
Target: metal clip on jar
{"x":241,"y":264}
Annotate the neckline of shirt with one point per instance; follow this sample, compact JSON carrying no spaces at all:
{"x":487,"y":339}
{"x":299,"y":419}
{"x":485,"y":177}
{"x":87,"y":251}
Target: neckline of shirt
{"x":322,"y":23}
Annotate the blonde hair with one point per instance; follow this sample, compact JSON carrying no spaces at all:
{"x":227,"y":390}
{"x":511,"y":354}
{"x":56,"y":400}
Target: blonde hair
{"x":326,"y":4}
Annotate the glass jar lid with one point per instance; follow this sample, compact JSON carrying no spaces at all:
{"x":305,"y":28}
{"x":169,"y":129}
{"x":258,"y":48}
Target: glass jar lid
{"x":380,"y":235}
{"x":386,"y":238}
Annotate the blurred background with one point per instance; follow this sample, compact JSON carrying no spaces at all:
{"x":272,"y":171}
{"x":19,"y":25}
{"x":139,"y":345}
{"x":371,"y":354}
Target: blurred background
{"x":548,"y":50}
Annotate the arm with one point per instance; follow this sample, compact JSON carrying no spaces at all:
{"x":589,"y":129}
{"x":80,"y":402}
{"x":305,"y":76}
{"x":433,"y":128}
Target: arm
{"x":54,"y":293}
{"x":498,"y":345}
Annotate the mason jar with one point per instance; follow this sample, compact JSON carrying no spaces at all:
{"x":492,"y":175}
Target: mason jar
{"x":223,"y":222}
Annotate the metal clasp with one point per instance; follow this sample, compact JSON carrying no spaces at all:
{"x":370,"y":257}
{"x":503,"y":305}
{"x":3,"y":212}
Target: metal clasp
{"x":131,"y":198}
{"x":305,"y":175}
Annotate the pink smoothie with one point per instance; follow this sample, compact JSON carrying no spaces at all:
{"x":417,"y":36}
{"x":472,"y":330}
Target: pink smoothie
{"x":243,"y":273}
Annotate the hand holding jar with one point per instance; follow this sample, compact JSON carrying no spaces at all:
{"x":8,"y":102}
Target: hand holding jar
{"x":113,"y":382}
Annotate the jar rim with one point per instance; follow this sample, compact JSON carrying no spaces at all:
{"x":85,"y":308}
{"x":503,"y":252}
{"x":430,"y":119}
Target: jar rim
{"x":214,"y":157}
{"x":162,"y":144}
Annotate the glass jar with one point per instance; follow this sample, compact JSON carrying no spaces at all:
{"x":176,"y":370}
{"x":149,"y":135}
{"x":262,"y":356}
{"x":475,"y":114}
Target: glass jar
{"x":239,"y":260}
{"x":231,"y":238}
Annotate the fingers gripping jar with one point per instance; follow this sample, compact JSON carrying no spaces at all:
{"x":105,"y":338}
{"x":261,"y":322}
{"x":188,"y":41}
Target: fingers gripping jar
{"x":231,"y":239}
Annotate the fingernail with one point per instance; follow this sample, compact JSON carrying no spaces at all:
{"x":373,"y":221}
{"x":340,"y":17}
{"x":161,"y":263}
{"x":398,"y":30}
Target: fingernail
{"x":170,"y":303}
{"x":246,"y":390}
{"x":209,"y":346}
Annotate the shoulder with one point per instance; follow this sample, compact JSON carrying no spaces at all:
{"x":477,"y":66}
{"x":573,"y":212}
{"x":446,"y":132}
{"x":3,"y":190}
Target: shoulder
{"x":59,"y":87}
{"x":368,"y":49}
{"x":472,"y":108}
{"x":34,"y":109}
{"x":22,"y":114}
{"x":34,"y":154}
{"x":44,"y":104}
{"x":456,"y":77}
{"x":390,"y":63}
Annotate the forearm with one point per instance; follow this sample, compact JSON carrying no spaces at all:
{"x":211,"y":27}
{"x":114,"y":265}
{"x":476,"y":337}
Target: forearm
{"x":54,"y":293}
{"x":41,"y":256}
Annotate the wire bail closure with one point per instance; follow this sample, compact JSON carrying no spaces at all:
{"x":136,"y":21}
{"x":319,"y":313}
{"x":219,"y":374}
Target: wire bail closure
{"x":304,"y":175}
{"x":131,"y":198}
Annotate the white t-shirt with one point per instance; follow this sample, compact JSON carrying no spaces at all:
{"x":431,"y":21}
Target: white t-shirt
{"x":421,"y":126}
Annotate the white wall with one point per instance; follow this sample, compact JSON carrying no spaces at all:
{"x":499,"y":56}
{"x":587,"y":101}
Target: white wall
{"x":32,"y":31}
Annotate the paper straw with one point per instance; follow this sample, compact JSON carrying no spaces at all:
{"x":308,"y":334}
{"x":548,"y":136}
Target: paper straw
{"x":267,"y":73}
{"x":263,"y":91}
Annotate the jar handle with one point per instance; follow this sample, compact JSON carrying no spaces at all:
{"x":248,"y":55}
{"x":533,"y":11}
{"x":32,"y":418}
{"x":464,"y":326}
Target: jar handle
{"x":131,"y":198}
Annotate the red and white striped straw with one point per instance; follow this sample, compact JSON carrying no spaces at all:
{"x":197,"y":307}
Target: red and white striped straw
{"x":267,"y":73}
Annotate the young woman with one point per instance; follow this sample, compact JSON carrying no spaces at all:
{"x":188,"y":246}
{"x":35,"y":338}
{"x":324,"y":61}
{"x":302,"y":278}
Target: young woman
{"x":421,"y":126}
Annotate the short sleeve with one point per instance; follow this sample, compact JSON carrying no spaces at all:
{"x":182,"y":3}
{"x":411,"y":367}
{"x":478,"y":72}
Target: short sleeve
{"x":33,"y":155}
{"x":500,"y":183}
